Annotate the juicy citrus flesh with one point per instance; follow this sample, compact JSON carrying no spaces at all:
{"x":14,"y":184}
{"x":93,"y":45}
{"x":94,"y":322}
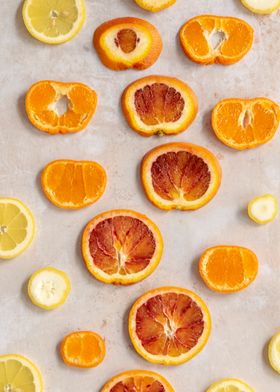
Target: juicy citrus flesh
{"x":262,"y":6}
{"x":155,"y":5}
{"x":228,"y":269}
{"x":274,"y":352}
{"x":230,"y":385}
{"x":263,"y":209}
{"x":73,"y":184}
{"x":42,"y":100}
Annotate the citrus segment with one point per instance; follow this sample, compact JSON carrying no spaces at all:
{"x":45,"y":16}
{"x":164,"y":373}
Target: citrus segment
{"x":263,"y":209}
{"x":262,"y":6}
{"x":44,"y":98}
{"x":121,"y":247}
{"x":230,"y":385}
{"x":155,"y":5}
{"x":274,"y":352}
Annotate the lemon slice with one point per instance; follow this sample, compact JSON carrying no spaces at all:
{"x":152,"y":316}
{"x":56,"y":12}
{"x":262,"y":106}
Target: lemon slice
{"x":17,"y":227}
{"x":230,"y":385}
{"x":49,"y":288}
{"x":263,"y":209}
{"x":19,"y":374}
{"x":54,"y":21}
{"x":262,"y":6}
{"x":274,"y":352}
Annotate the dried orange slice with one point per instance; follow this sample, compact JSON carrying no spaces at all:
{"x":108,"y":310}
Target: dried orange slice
{"x":137,"y":381}
{"x":228,"y":269}
{"x":209,"y":39}
{"x":56,"y":107}
{"x":169,"y":325}
{"x":245,"y":123}
{"x":83,"y":349}
{"x":180,"y":176}
{"x":124,"y":43}
{"x":73,"y":184}
{"x":121,"y":247}
{"x":159,"y":105}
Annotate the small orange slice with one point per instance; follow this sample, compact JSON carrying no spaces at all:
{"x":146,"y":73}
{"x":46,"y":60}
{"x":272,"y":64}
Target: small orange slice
{"x":159,"y":105}
{"x":121,"y":247}
{"x":73,"y":184}
{"x":155,"y":5}
{"x":180,"y":176}
{"x":209,"y":39}
{"x":227,"y":269}
{"x":245,"y":123}
{"x":124,"y":43}
{"x":78,"y":103}
{"x":169,"y":325}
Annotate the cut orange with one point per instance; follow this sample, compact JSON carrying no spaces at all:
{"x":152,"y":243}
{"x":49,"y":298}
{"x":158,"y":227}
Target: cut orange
{"x":121,"y":247}
{"x":169,"y":325}
{"x":124,"y":43}
{"x":85,"y":349}
{"x":155,"y":5}
{"x":73,"y":184}
{"x":159,"y":105}
{"x":245,"y":123}
{"x":45,"y":99}
{"x":137,"y":381}
{"x":209,"y":39}
{"x":227,"y":269}
{"x":180,"y":176}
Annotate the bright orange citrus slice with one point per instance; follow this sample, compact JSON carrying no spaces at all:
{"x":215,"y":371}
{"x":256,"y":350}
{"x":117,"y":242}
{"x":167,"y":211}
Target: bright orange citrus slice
{"x":121,"y":247}
{"x":155,"y":5}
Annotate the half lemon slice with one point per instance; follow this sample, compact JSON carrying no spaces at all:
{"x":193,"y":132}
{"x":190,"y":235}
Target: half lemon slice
{"x":262,"y":6}
{"x":230,"y":385}
{"x":274,"y":352}
{"x":263,"y":209}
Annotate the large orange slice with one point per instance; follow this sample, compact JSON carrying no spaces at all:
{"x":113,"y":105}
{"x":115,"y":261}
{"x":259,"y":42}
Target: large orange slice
{"x":169,"y":325}
{"x":73,"y":184}
{"x":180,"y":176}
{"x":124,"y":43}
{"x":155,"y":5}
{"x":56,"y":107}
{"x":121,"y":247}
{"x":159,"y":105}
{"x":228,"y":269}
{"x":209,"y":39}
{"x":245,"y":123}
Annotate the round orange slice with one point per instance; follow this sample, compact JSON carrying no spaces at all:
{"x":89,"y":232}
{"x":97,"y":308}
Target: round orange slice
{"x":121,"y":247}
{"x":209,"y":39}
{"x":155,"y":5}
{"x":180,"y":176}
{"x":228,"y":269}
{"x":56,"y":107}
{"x":124,"y":43}
{"x":83,"y":349}
{"x":245,"y":123}
{"x":137,"y":381}
{"x":73,"y":184}
{"x":169,"y":325}
{"x":159,"y":105}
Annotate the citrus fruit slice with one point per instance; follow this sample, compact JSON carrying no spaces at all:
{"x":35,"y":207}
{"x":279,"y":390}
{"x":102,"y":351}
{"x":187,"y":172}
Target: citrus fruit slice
{"x":17,"y":227}
{"x":209,"y":39}
{"x":245,"y":123}
{"x":49,"y":288}
{"x":263,"y":209}
{"x":274,"y":352}
{"x":230,"y":385}
{"x":124,"y":43}
{"x":52,"y":21}
{"x":180,"y":176}
{"x":18,"y":373}
{"x":137,"y":381}
{"x":227,"y":269}
{"x":155,"y":5}
{"x":262,"y":6}
{"x":56,"y":107}
{"x":159,"y":105}
{"x":83,"y":349}
{"x":73,"y":184}
{"x":121,"y":247}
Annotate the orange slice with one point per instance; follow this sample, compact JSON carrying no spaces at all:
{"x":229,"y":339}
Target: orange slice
{"x":155,"y":5}
{"x":121,"y":247}
{"x":56,"y":107}
{"x":245,"y":123}
{"x":209,"y":39}
{"x":124,"y":43}
{"x":180,"y":176}
{"x":159,"y":105}
{"x":137,"y":381}
{"x":169,"y":325}
{"x":227,"y":269}
{"x":73,"y":184}
{"x":85,"y":349}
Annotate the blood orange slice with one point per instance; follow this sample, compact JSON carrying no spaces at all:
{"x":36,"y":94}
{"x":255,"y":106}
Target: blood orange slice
{"x":169,"y":325}
{"x":121,"y":247}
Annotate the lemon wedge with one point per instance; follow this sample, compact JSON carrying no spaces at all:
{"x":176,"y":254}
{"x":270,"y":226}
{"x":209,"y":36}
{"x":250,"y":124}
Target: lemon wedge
{"x":230,"y":385}
{"x":263,"y":209}
{"x":54,"y":21}
{"x":49,"y":288}
{"x":262,"y":6}
{"x":274,"y":352}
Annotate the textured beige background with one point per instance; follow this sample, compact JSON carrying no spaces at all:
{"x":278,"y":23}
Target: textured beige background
{"x":242,"y":323}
